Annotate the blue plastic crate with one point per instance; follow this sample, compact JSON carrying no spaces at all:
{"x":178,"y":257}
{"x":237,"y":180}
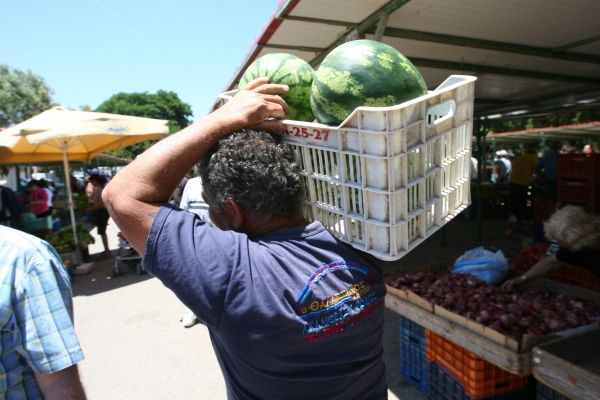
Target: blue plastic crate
{"x":543,"y":392}
{"x":442,"y":386}
{"x":413,"y":361}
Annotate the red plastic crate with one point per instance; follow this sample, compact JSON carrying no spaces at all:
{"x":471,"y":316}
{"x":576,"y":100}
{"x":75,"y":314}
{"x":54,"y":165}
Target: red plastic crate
{"x":576,"y":276}
{"x":579,"y":166}
{"x":479,"y":378}
{"x":579,"y":192}
{"x":444,"y":387}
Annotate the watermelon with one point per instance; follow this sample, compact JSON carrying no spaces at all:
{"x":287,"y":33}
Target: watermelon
{"x":289,"y":70}
{"x":362,"y":73}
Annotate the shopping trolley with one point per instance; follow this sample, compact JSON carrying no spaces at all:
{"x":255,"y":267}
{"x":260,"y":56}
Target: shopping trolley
{"x":126,"y":254}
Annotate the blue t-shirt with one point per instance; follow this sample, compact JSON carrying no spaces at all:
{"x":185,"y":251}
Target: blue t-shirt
{"x":293,"y":314}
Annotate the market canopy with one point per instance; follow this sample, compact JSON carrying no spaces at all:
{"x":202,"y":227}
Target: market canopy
{"x":585,"y":131}
{"x":530,"y":57}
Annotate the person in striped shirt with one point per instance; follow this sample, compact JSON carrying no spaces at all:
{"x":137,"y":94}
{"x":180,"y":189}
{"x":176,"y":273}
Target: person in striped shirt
{"x":39,"y":350}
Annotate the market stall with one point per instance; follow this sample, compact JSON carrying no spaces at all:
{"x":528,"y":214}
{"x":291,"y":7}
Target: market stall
{"x":478,"y":346}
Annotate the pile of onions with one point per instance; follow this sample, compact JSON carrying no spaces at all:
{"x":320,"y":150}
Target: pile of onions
{"x":520,"y":311}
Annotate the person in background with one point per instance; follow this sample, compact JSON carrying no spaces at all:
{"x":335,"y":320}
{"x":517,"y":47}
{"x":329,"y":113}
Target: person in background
{"x":568,"y":148}
{"x":523,"y":168}
{"x":503,"y":166}
{"x":175,"y":198}
{"x":588,"y":150}
{"x":192,"y":201}
{"x":577,"y":234}
{"x":76,"y":187}
{"x":547,"y":169}
{"x":93,"y":191}
{"x":473,"y":170}
{"x":38,"y":199}
{"x":44,"y":185}
{"x":39,"y":350}
{"x":292,"y":312}
{"x":11,"y":213}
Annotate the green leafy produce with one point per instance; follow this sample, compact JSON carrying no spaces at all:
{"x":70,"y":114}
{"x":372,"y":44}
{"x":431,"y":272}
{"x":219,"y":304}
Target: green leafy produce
{"x":80,"y":202}
{"x":63,"y":242}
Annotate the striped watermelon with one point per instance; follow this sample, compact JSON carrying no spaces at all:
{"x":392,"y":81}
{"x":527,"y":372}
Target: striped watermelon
{"x":289,"y":70}
{"x":362,"y":73}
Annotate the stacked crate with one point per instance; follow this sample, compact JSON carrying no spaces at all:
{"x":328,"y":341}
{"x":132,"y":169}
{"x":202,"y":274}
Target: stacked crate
{"x":576,"y":276}
{"x":456,"y":373}
{"x":579,"y":180}
{"x":413,"y":361}
{"x":543,"y":392}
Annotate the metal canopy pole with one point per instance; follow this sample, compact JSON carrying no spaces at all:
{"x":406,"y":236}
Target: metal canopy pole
{"x":65,"y":149}
{"x":480,"y":169}
{"x":360,"y":29}
{"x":381,"y":25}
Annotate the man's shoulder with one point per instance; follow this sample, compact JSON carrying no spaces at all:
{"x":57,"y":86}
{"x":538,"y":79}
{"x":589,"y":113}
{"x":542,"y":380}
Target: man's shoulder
{"x":17,"y":239}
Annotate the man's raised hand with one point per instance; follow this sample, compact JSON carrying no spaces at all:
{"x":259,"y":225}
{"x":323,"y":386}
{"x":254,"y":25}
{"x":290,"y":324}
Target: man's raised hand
{"x":257,"y":105}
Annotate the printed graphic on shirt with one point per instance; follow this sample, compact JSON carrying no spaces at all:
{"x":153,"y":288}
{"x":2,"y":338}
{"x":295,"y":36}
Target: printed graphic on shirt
{"x":331,"y":315}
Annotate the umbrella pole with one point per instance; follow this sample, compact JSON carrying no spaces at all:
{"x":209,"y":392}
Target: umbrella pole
{"x":78,"y":257}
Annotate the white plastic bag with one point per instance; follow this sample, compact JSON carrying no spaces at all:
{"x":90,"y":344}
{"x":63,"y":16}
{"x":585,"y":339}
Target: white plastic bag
{"x":485,"y":265}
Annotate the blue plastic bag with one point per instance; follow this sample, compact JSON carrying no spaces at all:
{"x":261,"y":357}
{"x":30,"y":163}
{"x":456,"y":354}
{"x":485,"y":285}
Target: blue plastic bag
{"x":485,"y":265}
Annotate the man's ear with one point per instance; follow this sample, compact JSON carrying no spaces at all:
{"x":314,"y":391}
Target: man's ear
{"x":235,"y":213}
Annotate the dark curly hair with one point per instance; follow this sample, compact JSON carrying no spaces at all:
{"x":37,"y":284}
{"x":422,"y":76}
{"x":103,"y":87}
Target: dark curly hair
{"x":256,"y":170}
{"x":97,"y":179}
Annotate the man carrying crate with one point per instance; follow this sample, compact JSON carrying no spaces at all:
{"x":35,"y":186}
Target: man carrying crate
{"x":292,"y":312}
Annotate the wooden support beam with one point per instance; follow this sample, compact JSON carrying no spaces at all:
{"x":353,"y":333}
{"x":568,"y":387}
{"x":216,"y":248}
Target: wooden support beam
{"x":367,"y":23}
{"x":489,"y":69}
{"x":557,"y":53}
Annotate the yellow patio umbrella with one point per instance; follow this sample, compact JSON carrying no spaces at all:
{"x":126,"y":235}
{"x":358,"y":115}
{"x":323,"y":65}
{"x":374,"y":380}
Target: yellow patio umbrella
{"x":59,"y":134}
{"x":85,"y":134}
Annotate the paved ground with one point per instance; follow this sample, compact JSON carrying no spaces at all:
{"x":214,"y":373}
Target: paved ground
{"x":134,"y":344}
{"x":136,"y":348}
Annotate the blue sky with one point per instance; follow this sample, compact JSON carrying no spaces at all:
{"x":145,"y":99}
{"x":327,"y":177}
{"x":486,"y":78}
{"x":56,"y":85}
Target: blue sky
{"x":88,"y":50}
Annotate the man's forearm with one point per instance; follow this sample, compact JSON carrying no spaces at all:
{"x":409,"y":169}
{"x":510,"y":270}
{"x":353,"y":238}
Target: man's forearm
{"x":61,"y":385}
{"x":542,"y":267}
{"x":132,"y":197}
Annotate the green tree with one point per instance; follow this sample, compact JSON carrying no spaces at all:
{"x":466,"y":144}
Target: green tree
{"x":22,"y":95}
{"x":161,"y":105}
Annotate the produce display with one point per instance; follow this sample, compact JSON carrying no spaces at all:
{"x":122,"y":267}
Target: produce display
{"x":80,"y":202}
{"x":63,"y":242}
{"x":520,"y":311}
{"x":290,"y":70}
{"x":362,"y":73}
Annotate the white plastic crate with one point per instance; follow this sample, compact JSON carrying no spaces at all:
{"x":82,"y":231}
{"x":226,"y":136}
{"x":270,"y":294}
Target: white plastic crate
{"x":389,"y":177}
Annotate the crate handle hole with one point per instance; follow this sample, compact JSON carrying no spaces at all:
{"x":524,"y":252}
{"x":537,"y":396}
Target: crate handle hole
{"x":440,"y":113}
